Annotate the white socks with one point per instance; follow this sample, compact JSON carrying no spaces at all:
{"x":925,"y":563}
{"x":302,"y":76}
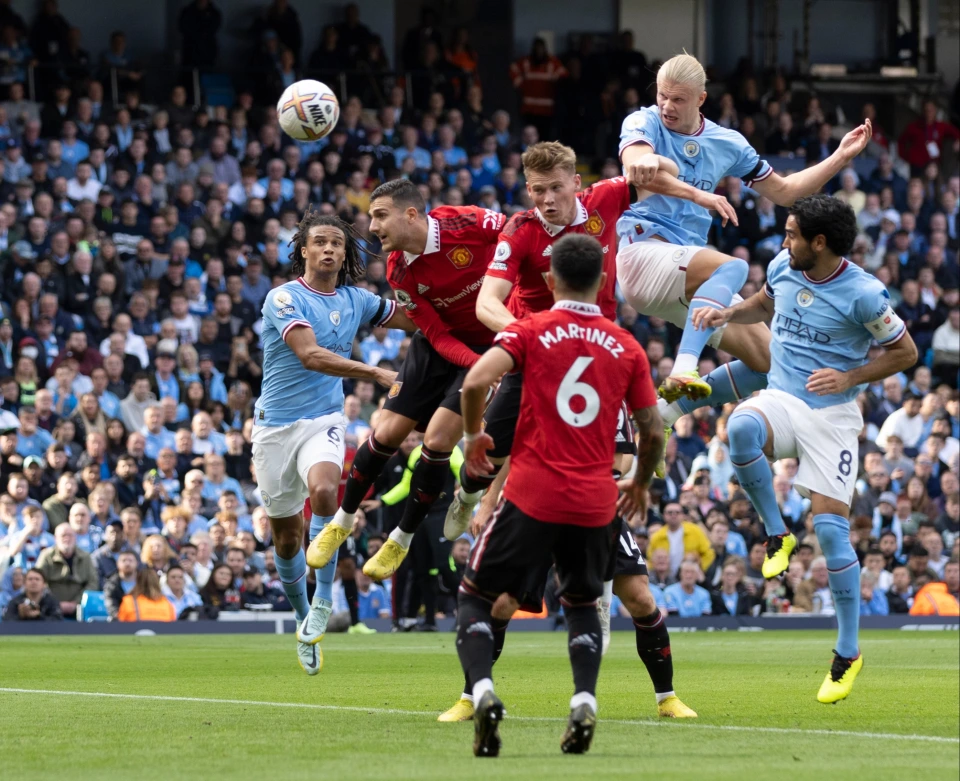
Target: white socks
{"x":471,"y":498}
{"x":582,"y":698}
{"x":661,"y":696}
{"x":481,"y":687}
{"x":685,"y":362}
{"x":343,"y":519}
{"x":401,"y":537}
{"x":607,"y":597}
{"x":670,"y":413}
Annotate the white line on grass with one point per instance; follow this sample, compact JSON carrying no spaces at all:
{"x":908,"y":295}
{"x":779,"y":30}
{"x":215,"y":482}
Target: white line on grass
{"x":399,"y":712}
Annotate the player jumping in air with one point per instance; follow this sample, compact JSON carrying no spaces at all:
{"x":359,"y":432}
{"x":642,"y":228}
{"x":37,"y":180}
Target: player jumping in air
{"x":662,"y":265}
{"x":519,"y":267}
{"x":557,"y":505}
{"x":436,"y":266}
{"x":309,"y":326}
{"x":823,"y":312}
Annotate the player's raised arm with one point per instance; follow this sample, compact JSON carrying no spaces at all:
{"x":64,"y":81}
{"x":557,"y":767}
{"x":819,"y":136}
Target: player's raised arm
{"x":303,"y":342}
{"x":784,"y":190}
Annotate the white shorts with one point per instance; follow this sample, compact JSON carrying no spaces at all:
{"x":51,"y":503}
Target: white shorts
{"x":653,"y":279}
{"x":283,"y":455}
{"x":824,"y":441}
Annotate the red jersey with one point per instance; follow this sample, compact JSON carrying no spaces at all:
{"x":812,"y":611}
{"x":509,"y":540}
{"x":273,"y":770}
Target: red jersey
{"x":577,"y":366}
{"x":439,"y":288}
{"x":523,"y":254}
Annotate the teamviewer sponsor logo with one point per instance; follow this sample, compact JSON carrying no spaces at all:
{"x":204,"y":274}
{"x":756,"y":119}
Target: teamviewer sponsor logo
{"x":443,"y":303}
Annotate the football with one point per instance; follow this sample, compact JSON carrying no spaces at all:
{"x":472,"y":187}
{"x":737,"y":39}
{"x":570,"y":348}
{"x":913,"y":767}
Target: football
{"x":308,"y":110}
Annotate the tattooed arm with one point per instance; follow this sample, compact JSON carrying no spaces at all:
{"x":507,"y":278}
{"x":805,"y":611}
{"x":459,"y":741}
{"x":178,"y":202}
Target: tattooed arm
{"x":649,"y":449}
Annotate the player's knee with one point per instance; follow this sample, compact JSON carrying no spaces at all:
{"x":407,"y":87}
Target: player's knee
{"x":834,"y":540}
{"x":636,"y":597}
{"x":392,"y":429}
{"x":287,"y":541}
{"x":441,"y":441}
{"x":504,"y":608}
{"x":323,"y":499}
{"x":747,"y":432}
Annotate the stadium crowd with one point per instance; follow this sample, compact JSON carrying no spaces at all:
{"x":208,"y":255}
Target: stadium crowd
{"x":138,"y":242}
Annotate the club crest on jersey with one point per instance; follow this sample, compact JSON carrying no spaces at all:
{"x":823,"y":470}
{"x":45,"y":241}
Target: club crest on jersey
{"x":691,"y":148}
{"x":335,"y":317}
{"x":403,"y":298}
{"x":394,"y":390}
{"x":594,"y":225}
{"x":805,"y":297}
{"x":460,"y":256}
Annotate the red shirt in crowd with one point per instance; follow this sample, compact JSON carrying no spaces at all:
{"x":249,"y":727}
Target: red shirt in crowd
{"x":439,"y":287}
{"x":523,"y":254}
{"x":537,"y":83}
{"x":919,"y":139}
{"x":577,"y":366}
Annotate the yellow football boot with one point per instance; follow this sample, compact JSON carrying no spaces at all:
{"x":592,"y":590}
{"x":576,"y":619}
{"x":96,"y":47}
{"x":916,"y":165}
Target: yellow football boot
{"x":673,"y":708}
{"x":325,"y":545}
{"x":839,"y":681}
{"x":462,"y":710}
{"x":779,"y":551}
{"x":688,"y":384}
{"x":386,"y":561}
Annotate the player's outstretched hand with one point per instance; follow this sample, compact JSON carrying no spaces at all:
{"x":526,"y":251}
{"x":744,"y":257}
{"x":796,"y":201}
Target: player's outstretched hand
{"x":708,"y":317}
{"x":385,"y":377}
{"x":643,"y":171}
{"x":826,"y":382}
{"x":476,"y":459}
{"x":720,"y":205}
{"x":856,"y":140}
{"x":633,"y":498}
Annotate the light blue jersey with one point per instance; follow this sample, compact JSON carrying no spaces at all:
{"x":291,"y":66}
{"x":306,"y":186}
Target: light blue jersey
{"x":687,"y":605}
{"x":704,"y":159}
{"x":290,"y":392}
{"x":828,"y":324}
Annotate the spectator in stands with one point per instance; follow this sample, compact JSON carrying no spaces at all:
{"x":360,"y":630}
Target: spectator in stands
{"x":873,"y":599}
{"x":732,"y":597}
{"x":146,"y":601}
{"x":686,"y":599}
{"x":535,"y":77}
{"x":927,"y":138}
{"x":813,"y":595}
{"x":35,"y":602}
{"x":679,"y":537}
{"x":68,"y":571}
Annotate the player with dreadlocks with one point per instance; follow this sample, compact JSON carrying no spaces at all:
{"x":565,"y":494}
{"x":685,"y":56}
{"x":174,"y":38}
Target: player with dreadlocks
{"x":309,"y":326}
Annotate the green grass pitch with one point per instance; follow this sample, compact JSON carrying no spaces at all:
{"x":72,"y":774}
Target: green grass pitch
{"x":239,"y":707}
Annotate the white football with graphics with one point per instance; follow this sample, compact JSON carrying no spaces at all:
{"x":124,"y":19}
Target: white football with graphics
{"x":308,"y":110}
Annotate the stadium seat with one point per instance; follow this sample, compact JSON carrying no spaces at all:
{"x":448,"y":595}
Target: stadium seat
{"x":92,"y":607}
{"x":217,"y":89}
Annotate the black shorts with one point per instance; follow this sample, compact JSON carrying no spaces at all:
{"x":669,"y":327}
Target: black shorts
{"x":348,"y":550}
{"x":626,"y":558}
{"x":425,"y":383}
{"x":500,"y":419}
{"x":515,"y":552}
{"x":626,"y":437}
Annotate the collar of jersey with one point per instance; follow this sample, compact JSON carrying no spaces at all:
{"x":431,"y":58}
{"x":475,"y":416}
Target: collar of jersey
{"x":579,"y":307}
{"x":433,"y":241}
{"x":553,"y":230}
{"x":697,"y":132}
{"x":313,"y":289}
{"x":840,"y":269}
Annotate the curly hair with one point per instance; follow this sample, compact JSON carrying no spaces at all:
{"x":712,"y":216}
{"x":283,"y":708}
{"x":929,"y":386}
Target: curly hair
{"x":353,"y":266}
{"x":824,"y":215}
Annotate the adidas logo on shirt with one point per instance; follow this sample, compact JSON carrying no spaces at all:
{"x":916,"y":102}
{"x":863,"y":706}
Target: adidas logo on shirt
{"x":421,"y":288}
{"x":548,"y":251}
